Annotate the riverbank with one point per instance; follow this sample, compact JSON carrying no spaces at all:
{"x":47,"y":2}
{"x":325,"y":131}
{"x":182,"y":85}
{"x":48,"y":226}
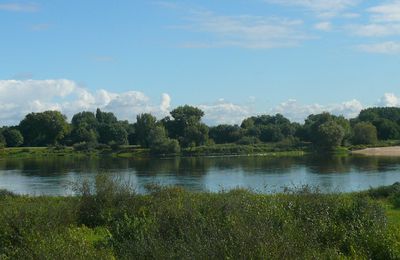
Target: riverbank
{"x":130,"y":151}
{"x":110,"y":221}
{"x":393,"y":151}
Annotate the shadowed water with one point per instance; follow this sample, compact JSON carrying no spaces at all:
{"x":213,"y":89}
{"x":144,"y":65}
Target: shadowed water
{"x":52,"y":176}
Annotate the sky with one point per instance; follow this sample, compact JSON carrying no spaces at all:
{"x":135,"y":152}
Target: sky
{"x":231,"y":58}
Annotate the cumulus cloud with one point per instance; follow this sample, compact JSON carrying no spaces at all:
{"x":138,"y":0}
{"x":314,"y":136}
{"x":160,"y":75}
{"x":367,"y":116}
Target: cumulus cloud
{"x":223,"y":112}
{"x":389,"y":47}
{"x":165,"y":102}
{"x":296,"y":111}
{"x":20,"y":97}
{"x":245,"y":31}
{"x":389,"y":100}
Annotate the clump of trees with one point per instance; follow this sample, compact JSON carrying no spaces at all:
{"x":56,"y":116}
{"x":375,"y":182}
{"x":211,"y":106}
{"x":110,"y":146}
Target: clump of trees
{"x":184,"y":128}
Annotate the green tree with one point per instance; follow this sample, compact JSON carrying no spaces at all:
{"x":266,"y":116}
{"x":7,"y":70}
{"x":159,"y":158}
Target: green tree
{"x":112,"y":133}
{"x":2,"y":141}
{"x":387,"y":129}
{"x":105,"y":117}
{"x":311,"y":128}
{"x":84,"y":128}
{"x":83,"y":134}
{"x":46,"y":128}
{"x":160,"y":143}
{"x":84,"y":119}
{"x":145,"y":123}
{"x":186,"y":126}
{"x":271,"y":133}
{"x":13,"y":137}
{"x":364,"y":133}
{"x":269,"y":128}
{"x":329,"y":135}
{"x":222,"y":134}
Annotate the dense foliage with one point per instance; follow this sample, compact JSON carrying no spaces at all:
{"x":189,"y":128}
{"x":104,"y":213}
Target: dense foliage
{"x":184,"y":128}
{"x":109,"y":221}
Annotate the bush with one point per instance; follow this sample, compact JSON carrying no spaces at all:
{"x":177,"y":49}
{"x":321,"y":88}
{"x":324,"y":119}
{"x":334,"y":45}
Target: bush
{"x":6,"y":193}
{"x":99,"y":200}
{"x":364,"y":133}
{"x":247,"y":140}
{"x":84,"y":146}
{"x":107,"y":220}
{"x":167,"y":146}
{"x":13,"y":137}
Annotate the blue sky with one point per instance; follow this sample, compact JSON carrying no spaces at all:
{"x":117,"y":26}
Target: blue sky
{"x":232,"y":58}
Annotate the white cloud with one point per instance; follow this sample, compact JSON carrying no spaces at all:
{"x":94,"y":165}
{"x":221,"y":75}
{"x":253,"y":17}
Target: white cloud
{"x":296,"y":111}
{"x":245,"y":31}
{"x":19,"y":7}
{"x":223,"y":112}
{"x":389,"y":47}
{"x":165,"y":102}
{"x":386,"y":12}
{"x":375,"y":29}
{"x":383,"y":20}
{"x":20,"y":97}
{"x":351,"y":15}
{"x":323,"y":26}
{"x":323,"y":8}
{"x":389,"y":100}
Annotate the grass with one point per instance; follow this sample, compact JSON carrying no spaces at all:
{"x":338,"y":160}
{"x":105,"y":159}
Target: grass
{"x":128,"y":151}
{"x":267,"y":149}
{"x":37,"y":152}
{"x":108,"y":220}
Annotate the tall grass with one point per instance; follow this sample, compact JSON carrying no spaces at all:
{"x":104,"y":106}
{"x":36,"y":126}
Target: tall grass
{"x":107,"y":219}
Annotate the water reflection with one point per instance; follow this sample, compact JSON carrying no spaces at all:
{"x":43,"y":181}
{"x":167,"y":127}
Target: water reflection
{"x":52,"y":175}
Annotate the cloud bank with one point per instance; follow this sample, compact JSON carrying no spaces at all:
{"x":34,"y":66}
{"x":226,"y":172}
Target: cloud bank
{"x":20,"y":97}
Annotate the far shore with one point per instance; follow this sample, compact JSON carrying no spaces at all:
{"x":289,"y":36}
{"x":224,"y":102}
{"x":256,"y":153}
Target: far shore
{"x":380,"y":151}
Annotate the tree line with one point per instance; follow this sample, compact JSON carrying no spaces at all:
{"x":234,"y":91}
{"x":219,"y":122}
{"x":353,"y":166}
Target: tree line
{"x":184,"y":128}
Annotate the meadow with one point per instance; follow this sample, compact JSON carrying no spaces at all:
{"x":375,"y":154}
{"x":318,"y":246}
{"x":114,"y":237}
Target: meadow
{"x":109,"y":220}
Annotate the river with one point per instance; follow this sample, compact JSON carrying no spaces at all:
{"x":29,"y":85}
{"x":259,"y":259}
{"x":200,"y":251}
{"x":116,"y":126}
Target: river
{"x":53,"y":176}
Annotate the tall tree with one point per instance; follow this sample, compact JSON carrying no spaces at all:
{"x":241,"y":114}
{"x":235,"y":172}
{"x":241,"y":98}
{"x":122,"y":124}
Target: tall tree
{"x":84,"y":128}
{"x":329,"y":135}
{"x":13,"y":137}
{"x":105,"y":117}
{"x":364,"y":133}
{"x":145,"y":123}
{"x":187,"y":127}
{"x":46,"y":128}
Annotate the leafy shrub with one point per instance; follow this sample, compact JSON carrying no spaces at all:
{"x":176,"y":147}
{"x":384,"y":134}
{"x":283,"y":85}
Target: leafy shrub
{"x":99,"y":200}
{"x":385,"y":191}
{"x":83,"y":146}
{"x":166,"y":146}
{"x":107,"y":220}
{"x":247,"y":140}
{"x":6,"y":193}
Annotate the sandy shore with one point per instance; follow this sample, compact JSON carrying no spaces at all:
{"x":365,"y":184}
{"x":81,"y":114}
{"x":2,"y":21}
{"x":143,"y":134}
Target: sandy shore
{"x":380,"y":151}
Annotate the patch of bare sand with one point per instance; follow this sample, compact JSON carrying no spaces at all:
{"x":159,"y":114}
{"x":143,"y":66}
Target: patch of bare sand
{"x":380,"y":151}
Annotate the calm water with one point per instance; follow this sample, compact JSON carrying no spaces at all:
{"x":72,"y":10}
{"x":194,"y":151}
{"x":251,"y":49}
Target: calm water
{"x":53,"y":175}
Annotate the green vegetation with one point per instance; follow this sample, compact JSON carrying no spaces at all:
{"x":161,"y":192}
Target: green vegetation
{"x":107,"y":220}
{"x":183,"y":132}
